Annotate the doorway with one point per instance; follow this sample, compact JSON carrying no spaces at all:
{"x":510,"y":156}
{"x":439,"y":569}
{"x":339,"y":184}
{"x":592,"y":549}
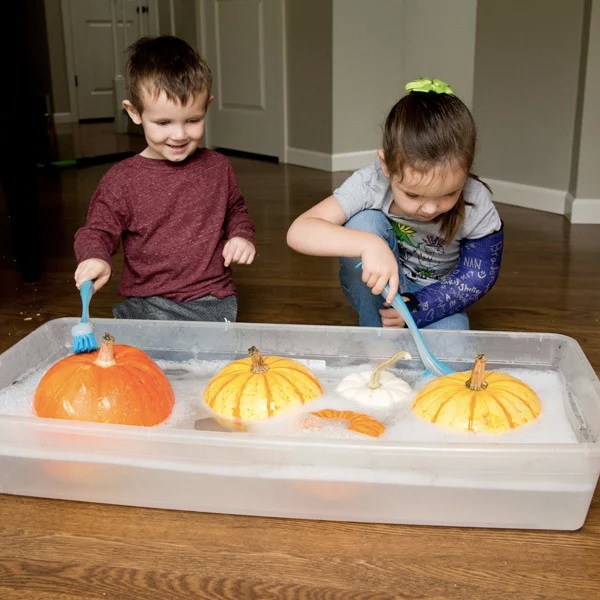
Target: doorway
{"x":98,"y":49}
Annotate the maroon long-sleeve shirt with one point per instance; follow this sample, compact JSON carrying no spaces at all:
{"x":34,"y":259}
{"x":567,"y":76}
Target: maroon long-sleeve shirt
{"x":173,"y":220}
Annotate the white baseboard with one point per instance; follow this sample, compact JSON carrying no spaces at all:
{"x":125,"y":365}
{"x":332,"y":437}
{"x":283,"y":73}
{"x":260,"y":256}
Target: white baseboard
{"x":309,"y":159}
{"x":584,"y":211}
{"x":528,"y":196}
{"x":576,"y":210}
{"x":64,"y":117}
{"x":349,"y":161}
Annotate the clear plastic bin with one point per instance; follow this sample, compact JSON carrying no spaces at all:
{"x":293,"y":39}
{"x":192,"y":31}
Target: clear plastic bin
{"x":520,"y":485}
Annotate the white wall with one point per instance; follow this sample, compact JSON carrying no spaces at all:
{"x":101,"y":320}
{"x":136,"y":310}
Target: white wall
{"x":584,"y":201}
{"x":439,"y":41}
{"x":376,"y":47}
{"x":535,"y":102}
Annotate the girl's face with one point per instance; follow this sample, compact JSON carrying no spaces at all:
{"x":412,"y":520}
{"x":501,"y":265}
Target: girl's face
{"x":425,"y":196}
{"x":173,"y":131}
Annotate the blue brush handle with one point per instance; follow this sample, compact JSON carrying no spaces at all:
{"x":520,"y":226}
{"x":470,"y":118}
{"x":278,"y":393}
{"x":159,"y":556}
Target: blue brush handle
{"x":433,"y":365}
{"x":86,"y":294}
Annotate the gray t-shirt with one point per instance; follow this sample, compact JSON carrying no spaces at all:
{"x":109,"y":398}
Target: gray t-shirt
{"x":424,"y":255}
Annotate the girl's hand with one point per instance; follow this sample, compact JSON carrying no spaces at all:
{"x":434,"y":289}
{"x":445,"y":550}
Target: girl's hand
{"x":391,"y":318}
{"x":379,"y":267}
{"x":94,"y":269}
{"x":238,"y":250}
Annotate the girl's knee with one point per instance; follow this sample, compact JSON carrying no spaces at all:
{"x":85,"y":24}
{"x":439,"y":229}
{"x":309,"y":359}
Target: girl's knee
{"x":373,"y":221}
{"x":350,"y":272}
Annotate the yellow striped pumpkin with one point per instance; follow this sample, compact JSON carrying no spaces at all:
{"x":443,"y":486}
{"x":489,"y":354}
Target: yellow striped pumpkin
{"x":259,"y":387}
{"x":478,"y":401}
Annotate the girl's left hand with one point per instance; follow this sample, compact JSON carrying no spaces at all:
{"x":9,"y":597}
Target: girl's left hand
{"x":391,"y":318}
{"x":238,"y":250}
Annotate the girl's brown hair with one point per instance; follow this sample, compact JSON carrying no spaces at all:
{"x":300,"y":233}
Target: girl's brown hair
{"x":168,"y":64}
{"x":426,"y":130}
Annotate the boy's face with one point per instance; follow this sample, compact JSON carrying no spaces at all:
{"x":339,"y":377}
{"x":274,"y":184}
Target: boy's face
{"x":425,"y":196}
{"x":173,"y":131}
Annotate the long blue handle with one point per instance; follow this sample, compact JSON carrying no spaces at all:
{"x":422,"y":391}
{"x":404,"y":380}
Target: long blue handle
{"x":86,"y":293}
{"x":435,"y":366}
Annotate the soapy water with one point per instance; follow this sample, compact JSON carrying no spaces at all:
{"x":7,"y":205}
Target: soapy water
{"x":190,"y":378}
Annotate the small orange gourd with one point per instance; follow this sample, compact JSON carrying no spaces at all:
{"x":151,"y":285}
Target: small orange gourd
{"x":116,"y":384}
{"x":259,"y":387}
{"x":477,"y":401}
{"x":354,"y":421}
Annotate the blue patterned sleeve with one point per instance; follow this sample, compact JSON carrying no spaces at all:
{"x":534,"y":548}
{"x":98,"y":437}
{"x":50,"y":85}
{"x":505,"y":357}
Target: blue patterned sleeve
{"x":475,"y":274}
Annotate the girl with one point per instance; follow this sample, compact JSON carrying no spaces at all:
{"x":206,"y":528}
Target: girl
{"x":416,"y":219}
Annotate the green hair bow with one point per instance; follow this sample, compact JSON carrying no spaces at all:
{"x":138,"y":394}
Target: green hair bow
{"x":427,"y":85}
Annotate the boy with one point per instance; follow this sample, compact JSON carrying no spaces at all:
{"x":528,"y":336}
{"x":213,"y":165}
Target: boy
{"x":176,"y":207}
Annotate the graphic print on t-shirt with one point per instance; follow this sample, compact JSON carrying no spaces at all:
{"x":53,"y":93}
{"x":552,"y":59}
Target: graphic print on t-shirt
{"x":420,"y":260}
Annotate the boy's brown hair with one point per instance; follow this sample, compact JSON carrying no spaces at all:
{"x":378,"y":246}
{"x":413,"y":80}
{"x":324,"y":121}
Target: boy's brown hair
{"x":427,"y":130}
{"x":165,"y":64}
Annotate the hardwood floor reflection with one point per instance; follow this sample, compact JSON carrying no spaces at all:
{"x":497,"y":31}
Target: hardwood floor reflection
{"x":549,"y":279}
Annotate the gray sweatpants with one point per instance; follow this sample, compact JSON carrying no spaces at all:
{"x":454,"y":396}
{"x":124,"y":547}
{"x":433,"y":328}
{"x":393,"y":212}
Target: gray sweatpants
{"x":157,"y":308}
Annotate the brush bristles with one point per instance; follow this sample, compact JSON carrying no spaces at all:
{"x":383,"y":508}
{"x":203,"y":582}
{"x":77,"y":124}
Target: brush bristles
{"x":84,"y":343}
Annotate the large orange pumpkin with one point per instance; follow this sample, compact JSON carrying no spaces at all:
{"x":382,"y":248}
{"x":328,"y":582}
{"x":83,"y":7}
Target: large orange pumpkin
{"x":116,"y":384}
{"x":478,"y":401}
{"x":259,"y":387}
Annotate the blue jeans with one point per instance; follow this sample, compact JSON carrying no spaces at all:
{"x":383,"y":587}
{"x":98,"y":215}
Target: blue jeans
{"x":367,"y":304}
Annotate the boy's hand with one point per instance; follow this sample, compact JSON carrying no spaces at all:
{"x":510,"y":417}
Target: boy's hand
{"x":238,"y":250}
{"x":379,"y":267}
{"x":96,"y":269}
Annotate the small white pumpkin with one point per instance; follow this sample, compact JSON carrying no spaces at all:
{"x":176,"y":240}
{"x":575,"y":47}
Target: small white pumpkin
{"x":378,"y":388}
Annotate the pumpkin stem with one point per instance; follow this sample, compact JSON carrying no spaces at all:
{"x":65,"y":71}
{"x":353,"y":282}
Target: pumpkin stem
{"x":374,"y":380}
{"x":106,"y":357}
{"x":477,"y":381}
{"x":258,"y":363}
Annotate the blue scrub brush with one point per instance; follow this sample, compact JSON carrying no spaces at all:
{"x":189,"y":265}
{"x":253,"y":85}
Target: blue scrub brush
{"x":83,"y":333}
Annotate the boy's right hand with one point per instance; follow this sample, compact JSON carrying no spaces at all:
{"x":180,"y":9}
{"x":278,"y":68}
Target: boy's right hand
{"x":94,"y":269}
{"x":379,"y":267}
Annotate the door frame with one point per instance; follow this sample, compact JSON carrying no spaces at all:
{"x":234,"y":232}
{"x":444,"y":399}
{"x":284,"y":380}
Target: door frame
{"x":73,"y":115}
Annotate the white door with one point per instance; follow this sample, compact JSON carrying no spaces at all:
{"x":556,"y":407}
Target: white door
{"x":95,"y":48}
{"x":243,"y":42}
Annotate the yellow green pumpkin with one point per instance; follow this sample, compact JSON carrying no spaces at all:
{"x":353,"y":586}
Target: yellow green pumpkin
{"x":259,"y":387}
{"x":477,"y":401}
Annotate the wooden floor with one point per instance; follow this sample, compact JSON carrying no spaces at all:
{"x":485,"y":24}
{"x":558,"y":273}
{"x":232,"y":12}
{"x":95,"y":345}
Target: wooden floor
{"x":549,"y":282}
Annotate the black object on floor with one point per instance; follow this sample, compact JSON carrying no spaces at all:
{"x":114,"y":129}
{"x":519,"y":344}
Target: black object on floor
{"x":90,"y":161}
